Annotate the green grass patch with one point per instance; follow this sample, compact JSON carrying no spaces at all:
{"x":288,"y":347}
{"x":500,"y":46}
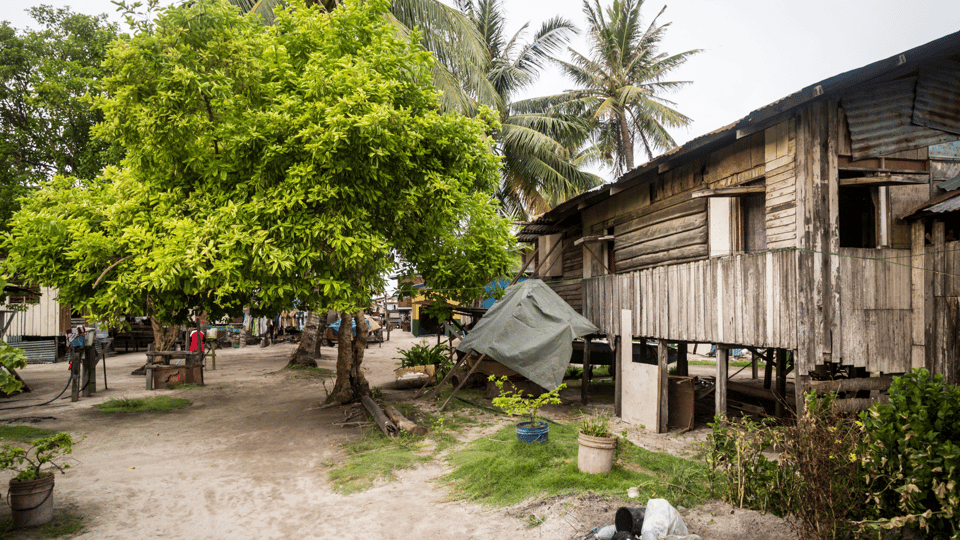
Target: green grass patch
{"x":375,"y":456}
{"x":26,"y":434}
{"x":66,"y":521}
{"x":154,"y":404}
{"x":501,"y":471}
{"x":308,"y":372}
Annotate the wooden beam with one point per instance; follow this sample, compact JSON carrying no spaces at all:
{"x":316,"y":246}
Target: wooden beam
{"x":593,"y":238}
{"x":875,"y":171}
{"x":585,"y":383}
{"x":781,"y":392}
{"x":852,"y":385}
{"x":886,"y":180}
{"x":663,"y":376}
{"x":735,"y":191}
{"x":618,"y":351}
{"x":682,"y":364}
{"x":720,"y":396}
{"x":526,"y":265}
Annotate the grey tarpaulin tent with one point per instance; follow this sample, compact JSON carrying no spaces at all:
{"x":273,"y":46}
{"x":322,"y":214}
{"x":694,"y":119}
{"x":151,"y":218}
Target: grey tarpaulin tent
{"x":531,"y":331}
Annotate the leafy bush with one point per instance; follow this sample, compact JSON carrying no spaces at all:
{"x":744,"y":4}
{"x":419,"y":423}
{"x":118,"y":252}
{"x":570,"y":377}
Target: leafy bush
{"x":422,"y":354}
{"x":822,"y":449}
{"x":739,"y":472}
{"x":911,"y":456}
{"x":11,"y":358}
{"x":37,"y":460}
{"x":515,"y":402}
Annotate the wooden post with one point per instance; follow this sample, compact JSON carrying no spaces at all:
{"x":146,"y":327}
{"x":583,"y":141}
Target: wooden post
{"x":781,"y":391}
{"x":720,"y":394}
{"x":149,"y":367}
{"x":919,"y":297}
{"x":682,"y":365}
{"x":767,"y":371}
{"x":753,"y":365}
{"x":585,"y":384}
{"x":663,"y":377}
{"x":619,"y":349}
{"x":77,"y":364}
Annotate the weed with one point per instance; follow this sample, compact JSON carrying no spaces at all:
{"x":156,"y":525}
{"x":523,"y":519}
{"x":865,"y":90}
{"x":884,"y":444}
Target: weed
{"x":65,"y":521}
{"x":25,"y":434}
{"x":154,"y":404}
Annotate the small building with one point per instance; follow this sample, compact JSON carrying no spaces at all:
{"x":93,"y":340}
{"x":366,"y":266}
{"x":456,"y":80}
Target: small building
{"x":783,"y":233}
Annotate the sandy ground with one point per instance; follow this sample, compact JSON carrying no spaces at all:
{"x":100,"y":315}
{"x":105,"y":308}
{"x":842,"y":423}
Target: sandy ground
{"x":249,"y":460}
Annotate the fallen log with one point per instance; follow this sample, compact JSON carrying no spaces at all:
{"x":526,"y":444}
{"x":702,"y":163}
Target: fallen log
{"x":403,"y":423}
{"x":853,"y":405}
{"x":386,"y":426}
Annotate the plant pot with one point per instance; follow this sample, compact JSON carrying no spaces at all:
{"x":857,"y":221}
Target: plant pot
{"x":595,"y":454}
{"x":416,"y":376}
{"x":32,"y":501}
{"x":533,"y":434}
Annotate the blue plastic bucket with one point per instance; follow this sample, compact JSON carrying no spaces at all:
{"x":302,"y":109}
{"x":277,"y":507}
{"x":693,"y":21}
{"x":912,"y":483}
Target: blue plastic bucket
{"x":537,"y":434}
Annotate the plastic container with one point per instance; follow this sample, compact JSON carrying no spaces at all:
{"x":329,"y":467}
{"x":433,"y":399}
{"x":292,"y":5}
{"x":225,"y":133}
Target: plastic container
{"x":537,"y":434}
{"x":595,"y":454}
{"x":32,"y":501}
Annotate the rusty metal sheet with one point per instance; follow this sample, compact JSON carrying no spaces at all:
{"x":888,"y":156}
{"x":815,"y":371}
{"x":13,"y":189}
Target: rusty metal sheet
{"x":949,"y":151}
{"x":881,"y":120}
{"x":937,"y":105}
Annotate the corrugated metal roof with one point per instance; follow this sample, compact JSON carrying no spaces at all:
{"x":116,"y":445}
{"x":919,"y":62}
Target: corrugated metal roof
{"x":881,"y":120}
{"x":904,"y":64}
{"x":951,"y":184}
{"x":950,"y":205}
{"x":938,"y":97}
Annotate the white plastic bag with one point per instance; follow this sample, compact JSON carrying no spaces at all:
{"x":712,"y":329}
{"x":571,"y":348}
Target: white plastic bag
{"x":661,"y":519}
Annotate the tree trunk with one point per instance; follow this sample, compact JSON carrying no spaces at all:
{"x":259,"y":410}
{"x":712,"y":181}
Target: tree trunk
{"x":163,"y":336}
{"x":309,"y":349}
{"x":351,"y":384}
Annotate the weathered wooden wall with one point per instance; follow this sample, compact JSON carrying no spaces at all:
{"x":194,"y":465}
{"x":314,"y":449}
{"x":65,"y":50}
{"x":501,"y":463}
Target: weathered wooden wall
{"x":944,"y":347}
{"x":569,"y":285}
{"x":744,"y":299}
{"x":875,"y":309}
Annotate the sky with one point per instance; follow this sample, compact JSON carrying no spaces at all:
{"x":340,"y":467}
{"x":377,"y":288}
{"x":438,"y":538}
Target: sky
{"x":754,"y":51}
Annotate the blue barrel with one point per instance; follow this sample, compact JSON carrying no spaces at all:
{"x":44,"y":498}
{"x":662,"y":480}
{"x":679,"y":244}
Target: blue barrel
{"x":533,"y":434}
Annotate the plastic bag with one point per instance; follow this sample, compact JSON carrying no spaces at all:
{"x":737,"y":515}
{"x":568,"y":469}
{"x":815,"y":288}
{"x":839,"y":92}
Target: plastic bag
{"x":662,"y":519}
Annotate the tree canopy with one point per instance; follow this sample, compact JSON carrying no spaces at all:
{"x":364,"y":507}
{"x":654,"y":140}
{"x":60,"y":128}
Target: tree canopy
{"x":46,"y":78}
{"x":268,"y":166}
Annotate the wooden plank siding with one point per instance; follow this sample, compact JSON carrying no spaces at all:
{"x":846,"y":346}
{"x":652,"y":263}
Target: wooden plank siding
{"x":724,"y":300}
{"x":568,"y":286}
{"x":875,"y":320}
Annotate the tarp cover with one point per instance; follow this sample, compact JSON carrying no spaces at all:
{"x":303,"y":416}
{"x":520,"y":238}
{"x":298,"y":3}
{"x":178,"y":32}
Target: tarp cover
{"x":531,"y":331}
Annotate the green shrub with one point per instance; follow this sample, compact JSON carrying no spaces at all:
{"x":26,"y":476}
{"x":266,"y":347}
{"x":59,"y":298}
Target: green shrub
{"x":822,"y":448}
{"x":597,"y":425}
{"x":739,"y":472}
{"x":911,"y":456}
{"x":422,"y":354}
{"x":514,"y":401}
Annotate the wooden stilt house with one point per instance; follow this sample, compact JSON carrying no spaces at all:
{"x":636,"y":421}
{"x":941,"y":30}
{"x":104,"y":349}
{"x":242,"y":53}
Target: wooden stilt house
{"x":781,"y":233}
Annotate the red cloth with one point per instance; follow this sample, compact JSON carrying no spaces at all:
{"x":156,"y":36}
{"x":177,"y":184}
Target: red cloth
{"x":194,"y":338}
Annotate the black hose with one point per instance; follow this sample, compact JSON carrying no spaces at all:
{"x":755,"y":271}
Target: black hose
{"x":45,"y":403}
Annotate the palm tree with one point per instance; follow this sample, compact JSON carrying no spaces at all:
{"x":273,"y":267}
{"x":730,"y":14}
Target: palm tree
{"x":623,"y":81}
{"x":538,"y":141}
{"x":444,"y":31}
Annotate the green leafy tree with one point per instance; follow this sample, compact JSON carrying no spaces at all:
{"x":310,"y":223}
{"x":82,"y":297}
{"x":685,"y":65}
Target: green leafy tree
{"x":538,"y":141}
{"x":621,"y":85}
{"x":269,"y":166}
{"x":46,"y":76}
{"x":441,"y":29}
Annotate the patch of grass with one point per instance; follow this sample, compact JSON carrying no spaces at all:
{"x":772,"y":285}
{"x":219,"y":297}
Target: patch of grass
{"x":308,"y":372}
{"x":500,"y":471}
{"x":187,"y":386}
{"x":66,"y":521}
{"x":26,"y":434}
{"x":154,"y":404}
{"x":375,"y":456}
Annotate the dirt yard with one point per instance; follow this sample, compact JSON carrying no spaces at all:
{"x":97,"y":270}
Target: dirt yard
{"x":249,"y":460}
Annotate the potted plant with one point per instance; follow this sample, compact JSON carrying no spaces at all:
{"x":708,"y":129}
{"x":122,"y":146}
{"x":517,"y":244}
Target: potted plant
{"x":31,"y":490}
{"x":422,"y":363}
{"x":596,"y":444}
{"x":517,"y":402}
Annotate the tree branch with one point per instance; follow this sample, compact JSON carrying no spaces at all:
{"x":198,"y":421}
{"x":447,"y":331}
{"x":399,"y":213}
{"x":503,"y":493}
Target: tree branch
{"x":109,"y":268}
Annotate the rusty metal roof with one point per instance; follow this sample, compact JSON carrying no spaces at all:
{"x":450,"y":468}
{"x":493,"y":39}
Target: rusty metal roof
{"x":899,"y":65}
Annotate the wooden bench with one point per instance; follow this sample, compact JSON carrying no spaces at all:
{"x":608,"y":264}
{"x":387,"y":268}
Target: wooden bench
{"x":161,"y":373}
